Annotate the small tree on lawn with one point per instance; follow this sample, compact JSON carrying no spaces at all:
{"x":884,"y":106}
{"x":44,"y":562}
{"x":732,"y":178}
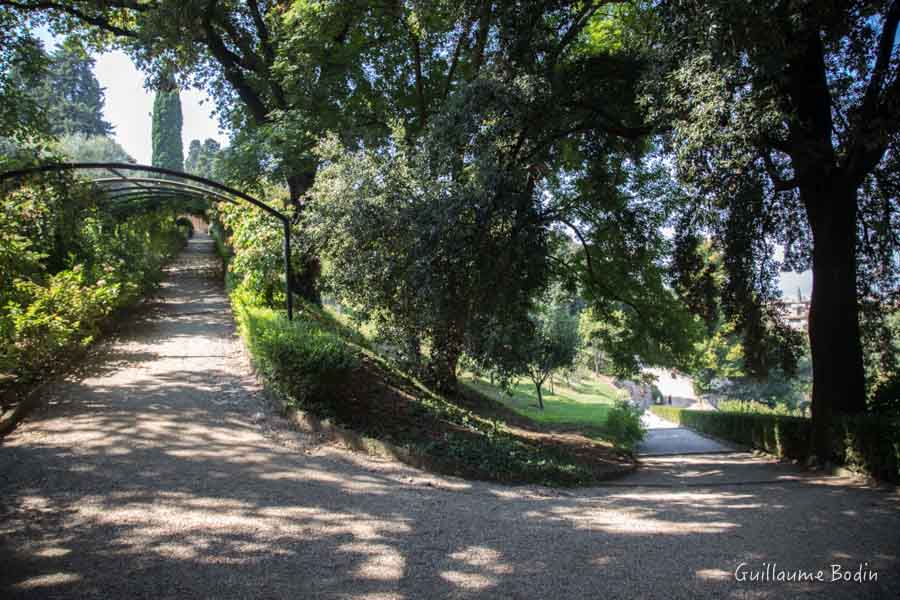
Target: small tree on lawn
{"x":553,"y":346}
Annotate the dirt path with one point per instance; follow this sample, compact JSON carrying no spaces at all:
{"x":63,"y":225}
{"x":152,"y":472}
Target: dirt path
{"x":164,"y":475}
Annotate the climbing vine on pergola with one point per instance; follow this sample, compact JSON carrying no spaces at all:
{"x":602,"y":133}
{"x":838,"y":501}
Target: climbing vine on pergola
{"x":125,"y":187}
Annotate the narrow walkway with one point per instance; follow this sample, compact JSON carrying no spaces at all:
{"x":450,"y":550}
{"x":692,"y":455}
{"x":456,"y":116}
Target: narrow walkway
{"x":668,"y":439}
{"x":163,"y":474}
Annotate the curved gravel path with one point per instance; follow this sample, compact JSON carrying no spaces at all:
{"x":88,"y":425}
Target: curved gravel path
{"x":164,"y":474}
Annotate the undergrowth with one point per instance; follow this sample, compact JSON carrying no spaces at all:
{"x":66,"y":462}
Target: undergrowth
{"x":318,"y":364}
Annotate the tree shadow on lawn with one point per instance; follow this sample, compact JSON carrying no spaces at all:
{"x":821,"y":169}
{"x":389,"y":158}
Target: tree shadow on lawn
{"x":159,"y":492}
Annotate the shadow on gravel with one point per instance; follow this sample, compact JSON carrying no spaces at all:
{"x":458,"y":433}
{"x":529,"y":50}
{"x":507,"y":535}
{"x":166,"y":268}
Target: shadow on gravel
{"x":167,"y":502}
{"x":160,"y":482}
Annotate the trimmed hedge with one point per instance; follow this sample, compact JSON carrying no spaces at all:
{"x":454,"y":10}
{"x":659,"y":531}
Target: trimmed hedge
{"x":304,"y":361}
{"x":866,"y":443}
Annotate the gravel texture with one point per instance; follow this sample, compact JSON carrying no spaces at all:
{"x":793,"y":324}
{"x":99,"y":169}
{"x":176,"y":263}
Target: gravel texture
{"x":164,"y":474}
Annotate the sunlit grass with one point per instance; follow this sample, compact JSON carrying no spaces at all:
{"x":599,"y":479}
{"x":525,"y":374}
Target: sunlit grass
{"x":585,"y":402}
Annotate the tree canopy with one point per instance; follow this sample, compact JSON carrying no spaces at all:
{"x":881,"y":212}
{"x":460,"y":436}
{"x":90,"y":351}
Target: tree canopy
{"x":785,"y":122}
{"x":71,"y":94}
{"x":448,"y":162}
{"x":202,"y":158}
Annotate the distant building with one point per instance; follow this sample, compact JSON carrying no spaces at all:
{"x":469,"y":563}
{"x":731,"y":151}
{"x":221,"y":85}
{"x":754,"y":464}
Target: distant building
{"x":199,"y":224}
{"x":796,"y":312}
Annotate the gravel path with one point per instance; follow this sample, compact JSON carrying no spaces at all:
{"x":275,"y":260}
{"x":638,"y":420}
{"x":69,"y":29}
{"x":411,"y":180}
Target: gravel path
{"x":668,"y":439}
{"x":163,"y":474}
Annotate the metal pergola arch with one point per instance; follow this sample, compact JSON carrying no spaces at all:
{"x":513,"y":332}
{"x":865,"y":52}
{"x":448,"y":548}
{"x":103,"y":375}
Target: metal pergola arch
{"x":143,"y":188}
{"x":124,"y":194}
{"x":146,"y":183}
{"x":133,"y":197}
{"x":162,"y":192}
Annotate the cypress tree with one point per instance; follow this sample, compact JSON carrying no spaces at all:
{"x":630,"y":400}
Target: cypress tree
{"x":192,"y":161}
{"x":168,"y":150}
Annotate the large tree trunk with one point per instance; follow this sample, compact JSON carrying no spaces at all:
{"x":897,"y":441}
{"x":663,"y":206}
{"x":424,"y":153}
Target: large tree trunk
{"x":306,"y":279}
{"x":830,"y":201}
{"x":445,"y":353}
{"x":443,"y":369}
{"x":838,"y":375}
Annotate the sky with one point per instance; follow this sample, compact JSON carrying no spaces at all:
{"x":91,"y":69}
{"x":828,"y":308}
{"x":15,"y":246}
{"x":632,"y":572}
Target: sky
{"x":129,"y":107}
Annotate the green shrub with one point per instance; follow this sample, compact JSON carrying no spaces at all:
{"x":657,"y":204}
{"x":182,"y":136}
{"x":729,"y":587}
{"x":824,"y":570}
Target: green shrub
{"x":305,"y":361}
{"x":64,"y":312}
{"x":669,"y":413}
{"x":623,"y":425}
{"x":865,"y":443}
{"x":66,"y":263}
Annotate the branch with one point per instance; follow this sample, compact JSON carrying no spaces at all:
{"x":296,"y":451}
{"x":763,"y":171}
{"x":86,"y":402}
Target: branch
{"x":262,"y":31}
{"x":581,"y":20}
{"x":231,"y":68}
{"x":420,"y":86}
{"x":455,"y":61}
{"x":778,"y":182}
{"x":250,"y":60}
{"x":882,"y":62}
{"x":868,"y":140}
{"x":97,"y":21}
{"x":484,"y":25}
{"x":593,"y":274}
{"x":776,"y":144}
{"x":589,"y":125}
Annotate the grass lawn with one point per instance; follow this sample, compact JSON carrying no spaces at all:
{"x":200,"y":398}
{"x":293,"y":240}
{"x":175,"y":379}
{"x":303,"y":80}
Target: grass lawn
{"x":585,"y":403}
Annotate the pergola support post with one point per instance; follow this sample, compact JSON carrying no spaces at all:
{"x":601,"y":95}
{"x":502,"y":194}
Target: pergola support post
{"x":288,"y":277}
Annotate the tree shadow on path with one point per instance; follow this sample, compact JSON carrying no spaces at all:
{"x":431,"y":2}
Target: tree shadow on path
{"x":163,"y":474}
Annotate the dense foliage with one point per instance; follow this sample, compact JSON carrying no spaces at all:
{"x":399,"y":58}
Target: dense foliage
{"x":202,"y":158}
{"x":71,"y":95}
{"x":441,"y":250}
{"x":66,"y":264}
{"x":84,"y":148}
{"x":317,"y":366}
{"x":442,"y":159}
{"x":69,"y":257}
{"x":551,"y":344}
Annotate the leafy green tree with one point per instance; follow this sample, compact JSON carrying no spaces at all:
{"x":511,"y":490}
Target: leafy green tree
{"x":555,"y":83}
{"x":284,"y":75}
{"x":433,"y":253}
{"x":786,"y":122}
{"x":71,"y":94}
{"x":201,"y":158}
{"x":882,"y":359}
{"x":22,"y":64}
{"x":553,"y":344}
{"x":83,"y":148}
{"x":168,"y":151}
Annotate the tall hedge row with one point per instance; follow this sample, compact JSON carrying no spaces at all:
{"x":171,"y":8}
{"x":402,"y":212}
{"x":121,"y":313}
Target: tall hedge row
{"x":866,"y":443}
